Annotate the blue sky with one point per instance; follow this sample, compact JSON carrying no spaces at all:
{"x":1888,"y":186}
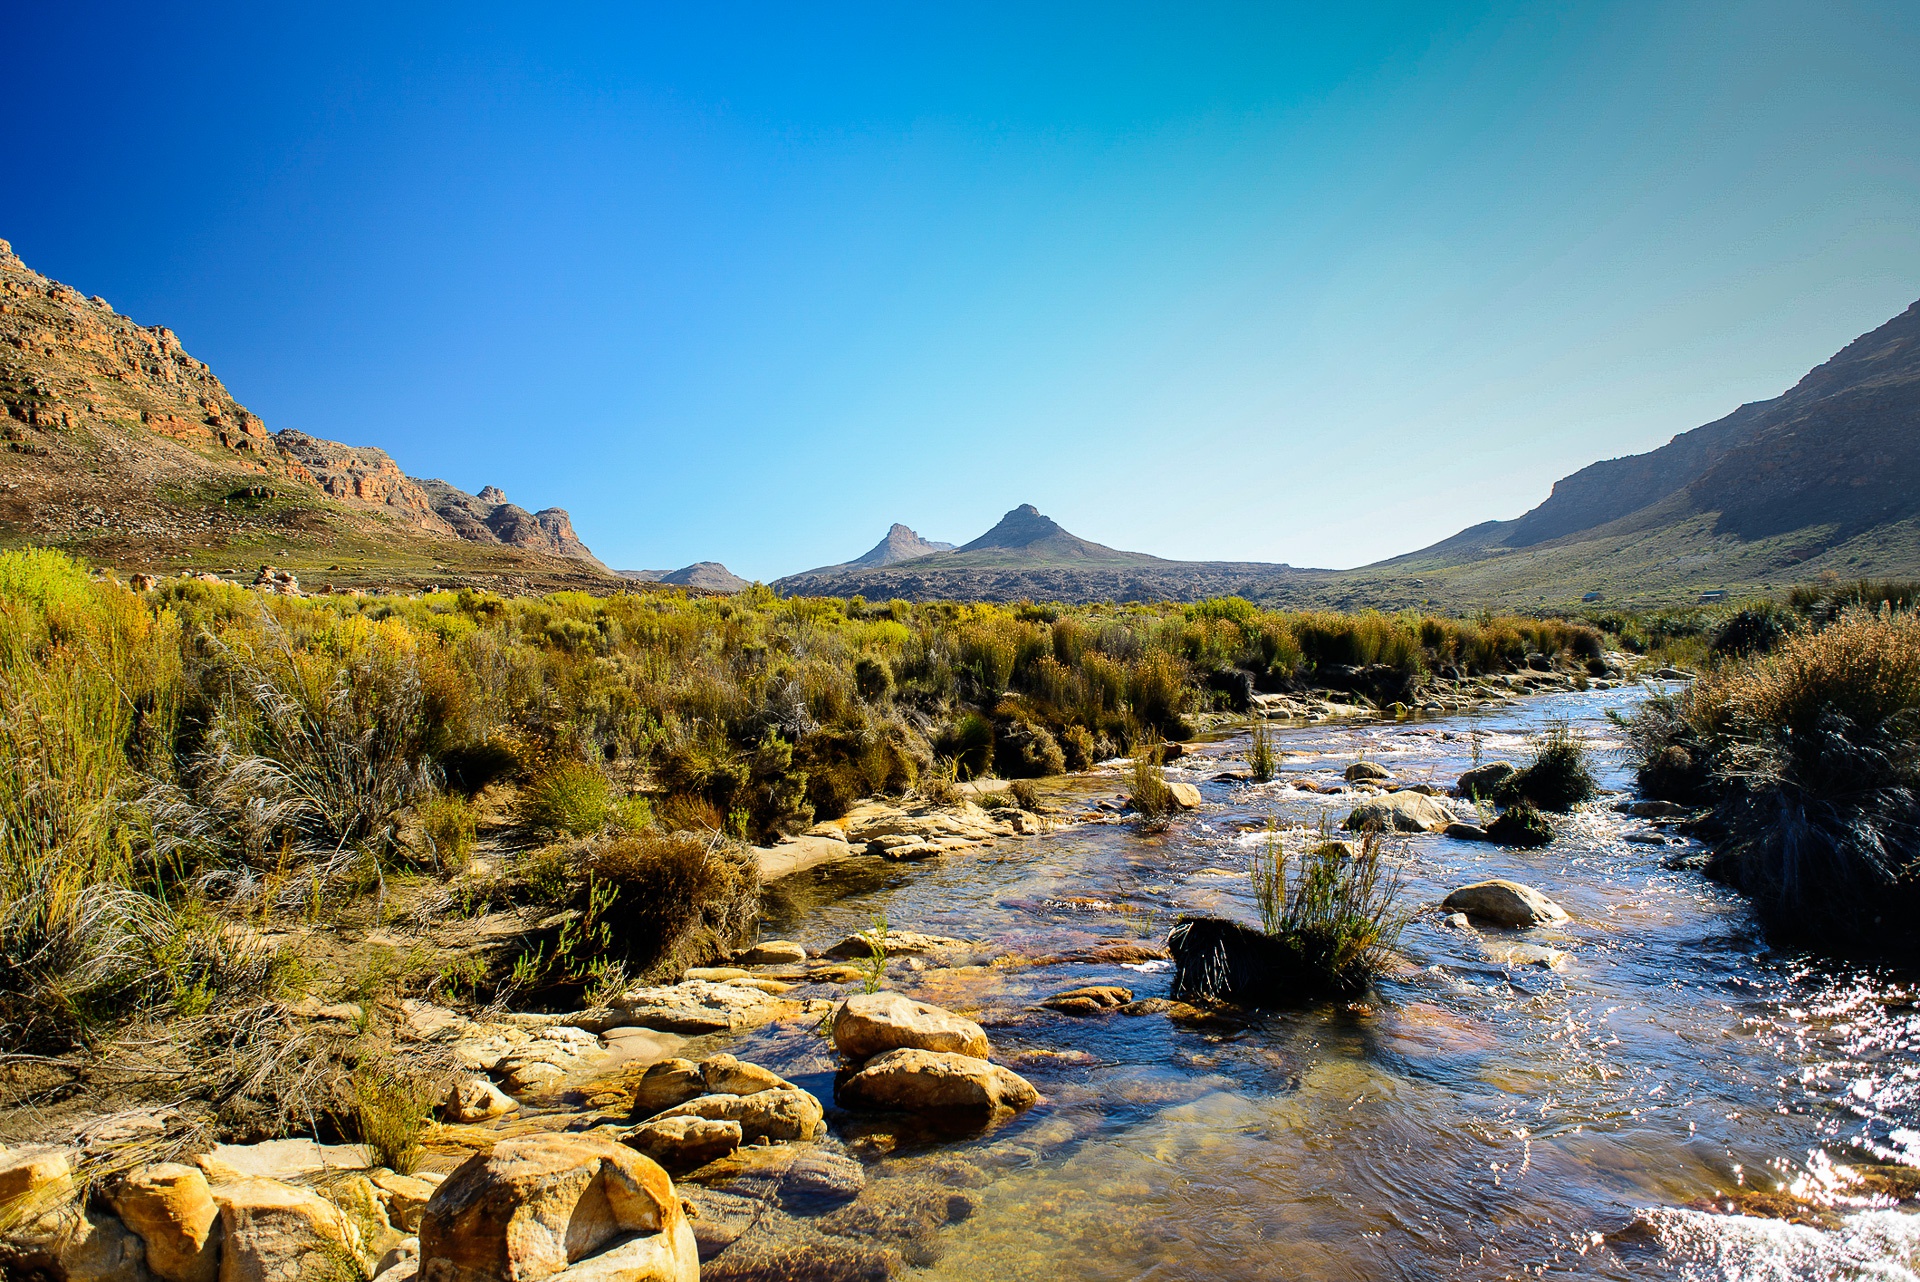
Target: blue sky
{"x":749,"y":284}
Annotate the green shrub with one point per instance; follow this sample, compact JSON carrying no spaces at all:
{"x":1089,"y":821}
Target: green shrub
{"x":572,"y":797}
{"x":1152,"y":799}
{"x":1334,"y":910}
{"x":391,"y":1110}
{"x":1558,"y":778}
{"x":1076,"y":748}
{"x":447,"y":824}
{"x":1520,"y":824}
{"x":1260,"y":756}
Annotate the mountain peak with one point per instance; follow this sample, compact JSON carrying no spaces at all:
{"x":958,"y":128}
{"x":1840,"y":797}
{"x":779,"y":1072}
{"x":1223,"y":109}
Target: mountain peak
{"x":1020,"y":528}
{"x":901,"y":544}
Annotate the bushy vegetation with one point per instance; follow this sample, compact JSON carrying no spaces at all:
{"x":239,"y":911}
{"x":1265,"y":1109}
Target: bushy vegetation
{"x":1810,"y":756}
{"x":172,"y":761}
{"x":1520,"y":824}
{"x":1559,"y":776}
{"x":1333,"y":910}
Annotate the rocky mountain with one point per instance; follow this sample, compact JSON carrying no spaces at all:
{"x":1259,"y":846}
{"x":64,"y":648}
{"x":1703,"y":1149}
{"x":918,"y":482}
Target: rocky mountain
{"x":122,"y":447}
{"x":1822,"y":478}
{"x":900,"y":544}
{"x":1029,"y":556}
{"x":709,"y":575}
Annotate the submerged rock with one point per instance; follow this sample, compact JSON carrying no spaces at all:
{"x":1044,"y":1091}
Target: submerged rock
{"x":1507,"y":903}
{"x":898,"y":943}
{"x":1467,"y":832}
{"x":1095,"y":999}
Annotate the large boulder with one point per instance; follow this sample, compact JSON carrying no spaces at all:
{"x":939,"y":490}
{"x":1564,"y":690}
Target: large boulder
{"x":538,"y":1204}
{"x":1482,"y":780}
{"x":171,"y":1207}
{"x":686,"y":1143}
{"x":789,"y":1114}
{"x":1404,"y":811}
{"x":1366,"y":772}
{"x":1183,"y":795}
{"x":273,"y":1232}
{"x":914,"y":1080}
{"x":869,"y":1024}
{"x":1506,"y":903}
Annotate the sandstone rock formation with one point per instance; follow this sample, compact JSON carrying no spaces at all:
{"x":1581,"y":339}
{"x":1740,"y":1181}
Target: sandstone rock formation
{"x":538,"y":1204}
{"x":869,"y":1024}
{"x":917,"y":1080}
{"x":1404,"y":811}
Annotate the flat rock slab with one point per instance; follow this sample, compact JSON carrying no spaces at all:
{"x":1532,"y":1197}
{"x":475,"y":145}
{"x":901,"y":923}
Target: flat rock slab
{"x":797,"y":854}
{"x":290,"y":1160}
{"x":1096,"y":999}
{"x":1506,"y":903}
{"x":697,"y":1006}
{"x":899,"y":943}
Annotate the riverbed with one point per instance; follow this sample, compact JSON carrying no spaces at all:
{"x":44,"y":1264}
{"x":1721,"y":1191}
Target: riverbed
{"x":1565,"y":1101}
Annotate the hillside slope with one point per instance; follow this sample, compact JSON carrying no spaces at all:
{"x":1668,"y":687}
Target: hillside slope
{"x":1823,"y":478}
{"x":122,"y":447}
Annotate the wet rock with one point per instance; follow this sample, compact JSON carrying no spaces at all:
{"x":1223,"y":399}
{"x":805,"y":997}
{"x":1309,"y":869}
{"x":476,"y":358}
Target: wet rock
{"x":538,"y":1204}
{"x":686,"y":1143}
{"x":399,"y":1263}
{"x":899,"y":943}
{"x":1148,"y":1006}
{"x":1119,"y":953}
{"x":171,"y":1207}
{"x":725,"y":1075}
{"x":1466,"y":832}
{"x":914,"y":1080}
{"x":1481,"y":780}
{"x":800,"y":1179}
{"x":475,"y":1099}
{"x":1183,"y":795}
{"x":787,"y":1114}
{"x":697,"y":1006}
{"x":670,"y":1082}
{"x":1403,"y":811}
{"x":1366,"y":771}
{"x":869,"y":1024}
{"x":271,"y":1231}
{"x":718,"y":974}
{"x":1095,"y":999}
{"x":776,"y":1247}
{"x":280,"y":1160}
{"x":1654,"y":809}
{"x":1506,"y":903}
{"x":773,"y":952}
{"x":1457,"y":921}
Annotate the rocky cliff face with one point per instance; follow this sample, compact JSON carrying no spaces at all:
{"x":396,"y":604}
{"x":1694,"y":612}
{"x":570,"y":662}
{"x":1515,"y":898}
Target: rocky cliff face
{"x":120,"y":444}
{"x":900,"y":544}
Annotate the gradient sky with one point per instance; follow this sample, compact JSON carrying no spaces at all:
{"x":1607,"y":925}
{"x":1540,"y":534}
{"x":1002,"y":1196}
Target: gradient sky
{"x":749,"y":284}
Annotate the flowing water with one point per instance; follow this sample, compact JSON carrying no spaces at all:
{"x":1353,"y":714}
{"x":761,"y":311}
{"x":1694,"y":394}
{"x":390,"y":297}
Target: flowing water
{"x":1555,"y":1102}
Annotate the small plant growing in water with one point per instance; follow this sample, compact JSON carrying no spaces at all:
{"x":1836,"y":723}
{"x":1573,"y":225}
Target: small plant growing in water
{"x":1260,"y":756}
{"x":1152,"y":799}
{"x":1334,"y":908}
{"x":873,"y":971}
{"x":1521,"y":824}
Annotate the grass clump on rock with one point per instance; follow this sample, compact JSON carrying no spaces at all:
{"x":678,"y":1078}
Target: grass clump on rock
{"x":1329,"y":917}
{"x":1557,"y":779}
{"x":1151,"y":797}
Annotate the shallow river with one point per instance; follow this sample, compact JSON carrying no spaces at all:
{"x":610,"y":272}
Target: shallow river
{"x":1480,"y":1115}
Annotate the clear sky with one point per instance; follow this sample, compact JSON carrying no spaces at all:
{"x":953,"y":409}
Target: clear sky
{"x":1317,"y":284}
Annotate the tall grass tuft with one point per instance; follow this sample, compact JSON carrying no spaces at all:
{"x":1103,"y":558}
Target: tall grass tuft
{"x":1151,"y":797}
{"x":1558,"y":778}
{"x":1261,"y":760}
{"x":1333,"y":909}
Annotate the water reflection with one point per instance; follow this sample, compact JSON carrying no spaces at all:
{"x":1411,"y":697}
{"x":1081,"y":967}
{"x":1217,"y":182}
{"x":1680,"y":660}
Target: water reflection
{"x":1512,"y":1103}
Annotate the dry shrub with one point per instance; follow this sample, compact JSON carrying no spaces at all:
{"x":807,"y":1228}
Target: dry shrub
{"x":681,"y":900}
{"x":1558,"y":778}
{"x":391,"y":1110}
{"x":1151,"y":797}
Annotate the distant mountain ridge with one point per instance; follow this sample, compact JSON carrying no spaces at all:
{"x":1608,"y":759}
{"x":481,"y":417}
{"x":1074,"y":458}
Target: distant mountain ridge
{"x":710,"y":575}
{"x":900,"y":544}
{"x":1030,"y":556}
